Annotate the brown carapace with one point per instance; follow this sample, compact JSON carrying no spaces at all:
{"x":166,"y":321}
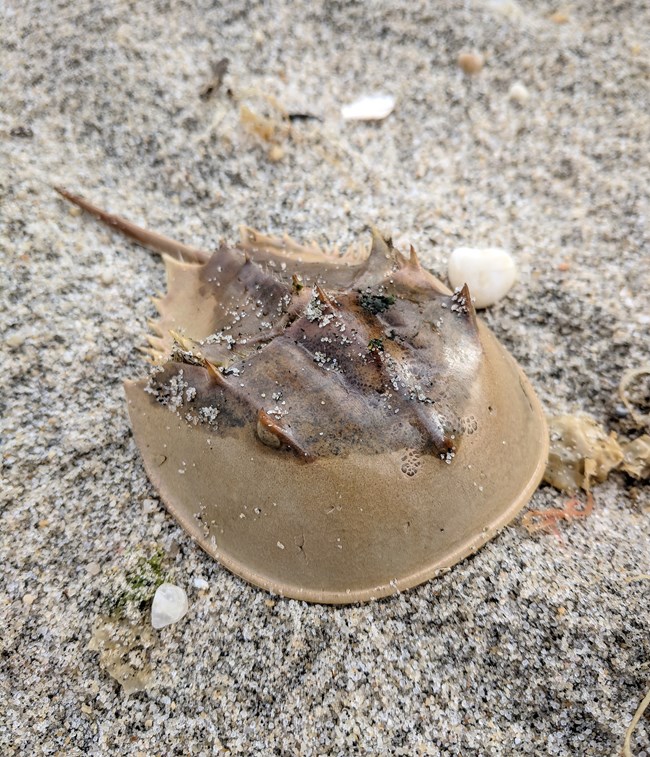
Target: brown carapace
{"x":332,"y":429}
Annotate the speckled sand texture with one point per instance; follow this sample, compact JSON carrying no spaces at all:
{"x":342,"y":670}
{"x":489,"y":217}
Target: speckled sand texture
{"x":535,"y":645}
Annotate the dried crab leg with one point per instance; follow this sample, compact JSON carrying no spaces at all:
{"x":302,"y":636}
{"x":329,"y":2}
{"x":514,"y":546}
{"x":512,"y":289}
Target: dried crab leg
{"x":548,"y":520}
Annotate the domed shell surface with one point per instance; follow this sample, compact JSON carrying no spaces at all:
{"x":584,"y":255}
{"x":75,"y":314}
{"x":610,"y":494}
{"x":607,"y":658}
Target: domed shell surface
{"x":330,"y":429}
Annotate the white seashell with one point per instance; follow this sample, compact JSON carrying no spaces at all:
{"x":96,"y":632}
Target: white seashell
{"x":169,"y":605}
{"x":369,"y":108}
{"x":519,"y":93}
{"x":489,"y":273}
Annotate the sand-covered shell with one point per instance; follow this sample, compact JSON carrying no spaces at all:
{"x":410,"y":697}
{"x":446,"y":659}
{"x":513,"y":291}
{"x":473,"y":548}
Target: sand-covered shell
{"x":332,"y":429}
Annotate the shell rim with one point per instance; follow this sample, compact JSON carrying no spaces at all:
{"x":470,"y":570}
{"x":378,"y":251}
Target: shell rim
{"x":432,"y":570}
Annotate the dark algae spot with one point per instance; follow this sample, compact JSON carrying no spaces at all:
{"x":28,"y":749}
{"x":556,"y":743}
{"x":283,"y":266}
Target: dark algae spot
{"x":140,"y":583}
{"x":375,"y":303}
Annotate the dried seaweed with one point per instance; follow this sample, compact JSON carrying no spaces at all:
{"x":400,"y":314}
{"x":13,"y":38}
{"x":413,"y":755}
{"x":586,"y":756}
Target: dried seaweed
{"x":633,"y":403}
{"x":581,"y":452}
{"x":219,"y":70}
{"x":645,"y":702}
{"x":124,"y":650}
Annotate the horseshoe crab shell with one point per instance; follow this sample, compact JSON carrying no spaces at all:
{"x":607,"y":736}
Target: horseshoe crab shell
{"x":330,"y":429}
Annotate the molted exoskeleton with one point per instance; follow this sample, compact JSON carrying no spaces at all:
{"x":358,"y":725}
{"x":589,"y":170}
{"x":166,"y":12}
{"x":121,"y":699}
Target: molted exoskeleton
{"x":332,"y":429}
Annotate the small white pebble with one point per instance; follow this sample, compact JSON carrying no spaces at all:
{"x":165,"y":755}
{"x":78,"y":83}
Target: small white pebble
{"x":489,"y":273}
{"x":200,"y":583}
{"x":507,"y":8}
{"x":369,"y":108}
{"x":519,"y":93}
{"x":149,"y":506}
{"x":93,"y":568}
{"x":107,"y":277}
{"x":168,"y":606}
{"x":29,"y":599}
{"x":17,"y":339}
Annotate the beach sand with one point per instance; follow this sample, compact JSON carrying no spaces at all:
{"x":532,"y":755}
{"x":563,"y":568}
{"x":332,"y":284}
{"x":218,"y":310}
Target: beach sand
{"x":535,"y":645}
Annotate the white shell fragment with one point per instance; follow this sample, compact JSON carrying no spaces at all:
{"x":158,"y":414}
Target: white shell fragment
{"x":489,"y":273}
{"x":369,"y":108}
{"x":519,"y":93}
{"x":169,"y":605}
